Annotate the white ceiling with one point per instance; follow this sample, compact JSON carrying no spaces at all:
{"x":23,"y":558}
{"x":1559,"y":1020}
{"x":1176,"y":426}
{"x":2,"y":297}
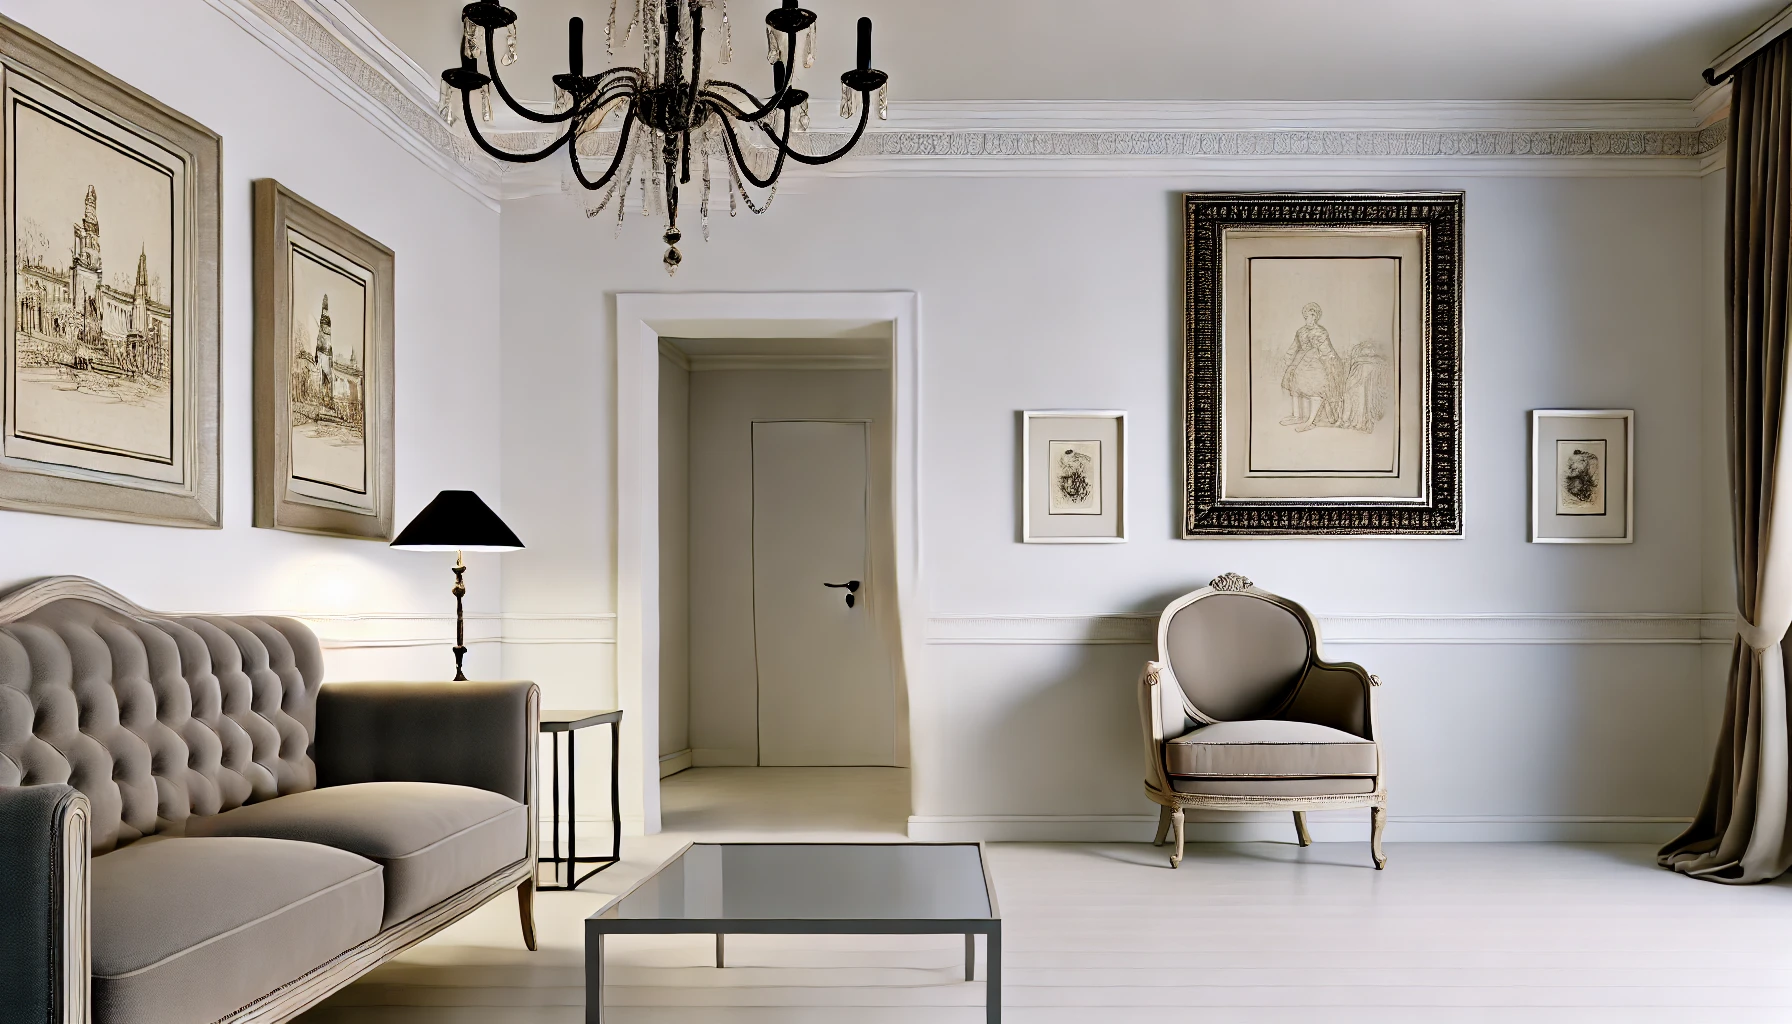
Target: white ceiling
{"x":1182,"y":49}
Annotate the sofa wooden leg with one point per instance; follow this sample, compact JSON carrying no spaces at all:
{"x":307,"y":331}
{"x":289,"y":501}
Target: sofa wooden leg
{"x":1176,"y":822}
{"x":1378,"y":816}
{"x":1300,"y":829}
{"x":525,"y":905}
{"x":1163,"y":825}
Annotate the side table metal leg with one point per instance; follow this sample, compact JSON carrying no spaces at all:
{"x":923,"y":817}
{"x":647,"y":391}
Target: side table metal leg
{"x":572,"y":809}
{"x":992,"y":992}
{"x":970,"y":956}
{"x":616,"y":789}
{"x":554,"y":738}
{"x":594,"y":977}
{"x":718,"y":949}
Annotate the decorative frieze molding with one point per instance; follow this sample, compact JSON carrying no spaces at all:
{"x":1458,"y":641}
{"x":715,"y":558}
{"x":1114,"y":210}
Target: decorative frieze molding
{"x":1573,"y":629}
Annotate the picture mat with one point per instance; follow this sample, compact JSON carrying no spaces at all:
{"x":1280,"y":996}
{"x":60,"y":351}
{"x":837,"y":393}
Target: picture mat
{"x":1358,"y":303}
{"x":1241,"y":246}
{"x":1040,"y":523}
{"x":1549,"y":429}
{"x":1089,"y":454}
{"x":1595,"y":464}
{"x":330,"y":469}
{"x":86,"y":147}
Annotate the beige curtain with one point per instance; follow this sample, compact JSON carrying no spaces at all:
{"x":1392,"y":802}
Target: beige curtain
{"x":1741,"y":832}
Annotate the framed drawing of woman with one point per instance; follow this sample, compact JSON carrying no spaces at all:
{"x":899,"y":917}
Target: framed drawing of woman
{"x":1322,"y":383}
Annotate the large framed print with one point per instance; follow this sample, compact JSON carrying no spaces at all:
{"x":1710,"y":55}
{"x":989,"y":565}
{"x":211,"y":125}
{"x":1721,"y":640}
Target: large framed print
{"x":109,"y":345}
{"x":1073,"y":476}
{"x":1582,"y":482}
{"x":1322,"y":364}
{"x":323,"y":371}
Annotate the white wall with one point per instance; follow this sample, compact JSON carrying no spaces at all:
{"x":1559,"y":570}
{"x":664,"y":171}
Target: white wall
{"x":275,"y":122}
{"x":723,"y":406}
{"x":675,"y":557}
{"x":1040,"y":292}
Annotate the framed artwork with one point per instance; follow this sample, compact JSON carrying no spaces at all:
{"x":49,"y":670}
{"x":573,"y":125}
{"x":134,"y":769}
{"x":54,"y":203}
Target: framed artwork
{"x":1073,"y":477}
{"x":109,"y":346}
{"x":1322,"y":364}
{"x":323,"y":371}
{"x":1582,"y":484}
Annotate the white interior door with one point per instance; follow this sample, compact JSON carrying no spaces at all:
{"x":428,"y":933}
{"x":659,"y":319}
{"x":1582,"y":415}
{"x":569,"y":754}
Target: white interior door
{"x":826,"y":689}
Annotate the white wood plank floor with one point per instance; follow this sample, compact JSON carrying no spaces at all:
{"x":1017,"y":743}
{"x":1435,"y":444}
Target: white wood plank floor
{"x":1263,"y":932}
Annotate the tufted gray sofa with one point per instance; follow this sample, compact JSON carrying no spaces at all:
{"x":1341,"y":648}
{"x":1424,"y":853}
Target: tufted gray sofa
{"x":195,"y":828}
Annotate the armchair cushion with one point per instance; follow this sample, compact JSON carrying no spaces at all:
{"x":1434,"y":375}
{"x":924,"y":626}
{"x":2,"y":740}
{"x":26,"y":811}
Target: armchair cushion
{"x":432,"y":839}
{"x":192,"y":929}
{"x":1269,"y":749}
{"x":1347,"y":786}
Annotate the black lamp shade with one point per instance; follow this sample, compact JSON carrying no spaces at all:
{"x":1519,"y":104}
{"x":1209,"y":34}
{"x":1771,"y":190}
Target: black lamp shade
{"x":457,"y":521}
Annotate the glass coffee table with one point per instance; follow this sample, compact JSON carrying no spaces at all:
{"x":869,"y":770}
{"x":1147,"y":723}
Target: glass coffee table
{"x":725,"y":889}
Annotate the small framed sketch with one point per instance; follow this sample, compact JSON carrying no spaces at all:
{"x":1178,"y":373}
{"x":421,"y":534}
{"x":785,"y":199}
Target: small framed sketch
{"x":1582,"y":487}
{"x":323,"y":372}
{"x":1073,"y":477}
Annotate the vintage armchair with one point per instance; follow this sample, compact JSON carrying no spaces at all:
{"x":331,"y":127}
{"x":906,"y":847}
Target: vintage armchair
{"x":1239,"y":713}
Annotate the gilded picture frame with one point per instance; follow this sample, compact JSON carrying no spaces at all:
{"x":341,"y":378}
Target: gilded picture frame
{"x":109,"y":368}
{"x":1322,"y":364}
{"x":323,"y":371}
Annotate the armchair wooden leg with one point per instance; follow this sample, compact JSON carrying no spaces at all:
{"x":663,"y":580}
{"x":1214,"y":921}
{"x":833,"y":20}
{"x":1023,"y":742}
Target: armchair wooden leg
{"x":1176,"y":822}
{"x":1378,"y":816}
{"x":1300,"y":829}
{"x":525,"y":905}
{"x":1163,"y":825}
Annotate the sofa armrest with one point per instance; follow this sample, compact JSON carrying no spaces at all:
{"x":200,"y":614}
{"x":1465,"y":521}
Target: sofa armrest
{"x":466,"y":734}
{"x":45,"y":972}
{"x":1335,"y":694}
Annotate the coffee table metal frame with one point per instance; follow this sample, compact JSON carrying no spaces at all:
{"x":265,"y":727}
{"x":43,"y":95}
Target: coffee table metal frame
{"x":600,"y":924}
{"x":569,"y":723}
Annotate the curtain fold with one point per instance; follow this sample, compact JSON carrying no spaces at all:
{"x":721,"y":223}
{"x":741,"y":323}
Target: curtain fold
{"x":1741,"y":832}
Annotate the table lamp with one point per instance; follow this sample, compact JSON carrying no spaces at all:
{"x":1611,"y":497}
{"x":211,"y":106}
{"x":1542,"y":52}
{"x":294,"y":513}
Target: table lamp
{"x":457,"y":521}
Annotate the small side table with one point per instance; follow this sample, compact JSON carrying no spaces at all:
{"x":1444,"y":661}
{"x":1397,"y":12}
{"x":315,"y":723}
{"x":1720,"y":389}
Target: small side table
{"x":556,"y":723}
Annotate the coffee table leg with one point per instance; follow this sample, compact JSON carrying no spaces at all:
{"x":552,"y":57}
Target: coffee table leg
{"x":594,"y":978}
{"x":970,"y":956}
{"x":992,"y":993}
{"x":718,"y":949}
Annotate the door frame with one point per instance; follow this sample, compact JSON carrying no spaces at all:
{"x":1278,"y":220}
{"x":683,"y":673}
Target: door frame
{"x":641,"y":318}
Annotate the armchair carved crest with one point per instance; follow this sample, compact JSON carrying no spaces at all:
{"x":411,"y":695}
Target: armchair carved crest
{"x":1240,"y":713}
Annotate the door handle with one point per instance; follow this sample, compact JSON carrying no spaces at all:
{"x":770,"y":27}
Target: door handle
{"x":850,"y":586}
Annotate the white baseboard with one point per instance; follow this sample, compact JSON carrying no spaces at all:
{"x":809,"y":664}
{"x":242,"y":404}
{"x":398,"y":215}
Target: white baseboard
{"x":1331,"y":827}
{"x":675,"y":762}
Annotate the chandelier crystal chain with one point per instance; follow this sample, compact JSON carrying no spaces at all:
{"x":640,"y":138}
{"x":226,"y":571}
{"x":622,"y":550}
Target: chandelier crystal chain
{"x":670,"y":115}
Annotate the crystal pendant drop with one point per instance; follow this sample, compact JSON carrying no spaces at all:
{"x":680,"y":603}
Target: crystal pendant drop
{"x":610,"y":31}
{"x":847,"y":106}
{"x":485,"y":103}
{"x":562,"y":100}
{"x":672,"y":258}
{"x":727,"y":35}
{"x":446,"y":106}
{"x":703,"y":205}
{"x":883,"y":102}
{"x":802,"y":116}
{"x":510,"y":45}
{"x":733,"y":186}
{"x":809,"y":47}
{"x":774,"y":47}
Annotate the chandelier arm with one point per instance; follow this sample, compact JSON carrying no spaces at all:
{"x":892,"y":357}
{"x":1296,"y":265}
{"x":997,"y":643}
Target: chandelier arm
{"x":770,"y":105}
{"x":628,"y":122}
{"x":816,"y":161}
{"x":491,"y":64}
{"x":741,"y":160}
{"x":466,"y":105}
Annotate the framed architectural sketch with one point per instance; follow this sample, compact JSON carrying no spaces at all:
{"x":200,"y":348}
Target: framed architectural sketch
{"x":1073,"y":477}
{"x":1322,"y":364}
{"x":1582,"y":485}
{"x":323,"y":371}
{"x":109,"y":366}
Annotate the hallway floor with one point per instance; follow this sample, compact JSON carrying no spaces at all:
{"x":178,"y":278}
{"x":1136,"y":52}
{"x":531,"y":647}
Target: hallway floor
{"x":1262,"y":932}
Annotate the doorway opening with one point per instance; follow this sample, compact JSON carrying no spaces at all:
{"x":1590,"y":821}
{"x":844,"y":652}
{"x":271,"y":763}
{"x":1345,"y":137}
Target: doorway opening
{"x":774,"y":569}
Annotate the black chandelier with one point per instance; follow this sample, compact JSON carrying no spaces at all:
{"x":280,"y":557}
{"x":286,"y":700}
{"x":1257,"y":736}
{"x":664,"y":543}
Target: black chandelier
{"x":666,"y":105}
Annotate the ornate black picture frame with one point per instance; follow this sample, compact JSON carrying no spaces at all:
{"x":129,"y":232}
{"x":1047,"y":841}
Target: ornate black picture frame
{"x":1322,"y":364}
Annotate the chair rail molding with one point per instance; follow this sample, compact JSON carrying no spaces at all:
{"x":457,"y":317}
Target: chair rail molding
{"x":338,"y":49}
{"x":1347,"y":629}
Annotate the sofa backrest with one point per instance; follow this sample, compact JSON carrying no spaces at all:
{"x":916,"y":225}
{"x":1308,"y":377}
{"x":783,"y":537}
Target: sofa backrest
{"x":155,"y":718}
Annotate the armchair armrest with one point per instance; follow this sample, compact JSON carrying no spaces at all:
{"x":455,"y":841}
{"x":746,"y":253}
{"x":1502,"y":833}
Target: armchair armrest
{"x":1151,"y":718}
{"x":1335,"y":694}
{"x":467,"y":734}
{"x":45,"y":973}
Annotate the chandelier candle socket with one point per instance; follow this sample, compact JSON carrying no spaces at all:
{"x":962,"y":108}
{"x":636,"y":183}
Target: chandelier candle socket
{"x":668,"y":110}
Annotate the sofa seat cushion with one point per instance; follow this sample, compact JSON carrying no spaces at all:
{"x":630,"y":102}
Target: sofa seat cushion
{"x":1268,"y":750}
{"x":433,"y":840}
{"x":186,"y":931}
